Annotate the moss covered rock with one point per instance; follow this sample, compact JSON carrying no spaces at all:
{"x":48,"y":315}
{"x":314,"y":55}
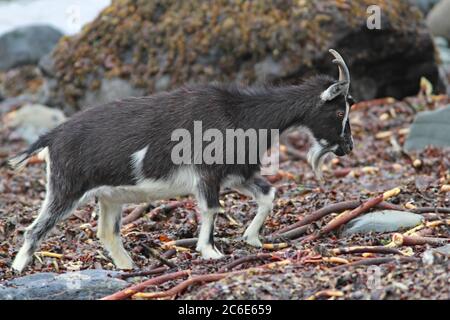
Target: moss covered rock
{"x":161,"y":44}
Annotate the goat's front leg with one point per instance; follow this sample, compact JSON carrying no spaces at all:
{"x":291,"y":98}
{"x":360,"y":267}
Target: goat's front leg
{"x":264,"y":194}
{"x":208,"y":201}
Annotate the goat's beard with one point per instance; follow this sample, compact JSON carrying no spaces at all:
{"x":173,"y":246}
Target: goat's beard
{"x":316,"y":157}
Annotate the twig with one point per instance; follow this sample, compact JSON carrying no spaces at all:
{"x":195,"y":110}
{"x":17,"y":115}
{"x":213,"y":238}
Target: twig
{"x":376,"y":261}
{"x":334,"y":208}
{"x":137,"y":212}
{"x":326,"y":294}
{"x":187,"y":243}
{"x":143,"y":273}
{"x":346,"y":216}
{"x":255,"y":257}
{"x":364,"y":249}
{"x":291,"y":234}
{"x":403,"y":240}
{"x":205,"y":278}
{"x":155,"y":254}
{"x":165,"y":208}
{"x":431,"y":210}
{"x":128,"y":292}
{"x":182,"y":286}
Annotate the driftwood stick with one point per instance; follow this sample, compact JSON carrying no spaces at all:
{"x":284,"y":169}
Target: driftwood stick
{"x":431,"y":210}
{"x":155,"y":254}
{"x":143,"y":273}
{"x":128,"y":292}
{"x":344,"y":217}
{"x":137,"y":212}
{"x":376,"y":261}
{"x":404,"y":240}
{"x":205,"y":278}
{"x":250,"y":258}
{"x":182,"y":286}
{"x":187,"y":243}
{"x":165,"y":208}
{"x":364,"y":249}
{"x":335,"y":208}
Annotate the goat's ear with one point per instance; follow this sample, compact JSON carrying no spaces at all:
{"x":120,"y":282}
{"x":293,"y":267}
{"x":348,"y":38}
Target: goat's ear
{"x":335,"y":90}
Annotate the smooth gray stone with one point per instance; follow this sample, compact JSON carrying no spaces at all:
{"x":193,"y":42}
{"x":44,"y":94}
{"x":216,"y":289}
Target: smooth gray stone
{"x":429,"y":128}
{"x":82,"y":285}
{"x":445,"y":250}
{"x":26,"y":45}
{"x":382,"y":221}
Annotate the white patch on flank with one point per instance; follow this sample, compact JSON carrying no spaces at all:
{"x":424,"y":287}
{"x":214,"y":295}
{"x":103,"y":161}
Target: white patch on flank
{"x":323,"y":142}
{"x":182,"y":182}
{"x":137,"y":163}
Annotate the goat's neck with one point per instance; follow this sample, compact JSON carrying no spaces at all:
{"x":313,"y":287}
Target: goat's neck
{"x":277,"y":108}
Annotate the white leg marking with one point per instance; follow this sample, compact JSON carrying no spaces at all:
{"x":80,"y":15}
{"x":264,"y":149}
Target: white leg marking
{"x":205,"y":244}
{"x":265,"y":205}
{"x":109,"y":233}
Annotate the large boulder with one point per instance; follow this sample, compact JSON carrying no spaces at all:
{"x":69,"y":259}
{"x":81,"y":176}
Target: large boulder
{"x":26,"y":45}
{"x":80,"y":285}
{"x":158,"y":45}
{"x":438,"y":19}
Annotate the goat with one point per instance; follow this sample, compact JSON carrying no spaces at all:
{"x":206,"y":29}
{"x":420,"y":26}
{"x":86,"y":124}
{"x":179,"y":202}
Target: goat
{"x":120,"y":152}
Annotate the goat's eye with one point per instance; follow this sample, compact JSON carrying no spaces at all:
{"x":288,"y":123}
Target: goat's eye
{"x":340,"y":114}
{"x":350,"y":100}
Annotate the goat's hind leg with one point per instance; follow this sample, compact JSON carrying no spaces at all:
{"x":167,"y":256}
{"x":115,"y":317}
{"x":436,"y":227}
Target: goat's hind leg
{"x":263,"y":193}
{"x":108,"y":231}
{"x":54,"y":209}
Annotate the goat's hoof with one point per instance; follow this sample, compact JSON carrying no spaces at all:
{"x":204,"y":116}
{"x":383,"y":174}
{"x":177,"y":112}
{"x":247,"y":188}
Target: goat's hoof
{"x":210,"y":252}
{"x":253,"y":241}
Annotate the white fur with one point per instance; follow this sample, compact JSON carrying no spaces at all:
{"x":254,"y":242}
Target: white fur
{"x":182,"y":182}
{"x":137,"y":163}
{"x":109,"y":212}
{"x":265,"y":205}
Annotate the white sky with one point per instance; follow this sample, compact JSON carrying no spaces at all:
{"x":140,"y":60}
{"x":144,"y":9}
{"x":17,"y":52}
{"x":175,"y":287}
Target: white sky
{"x":66,"y":15}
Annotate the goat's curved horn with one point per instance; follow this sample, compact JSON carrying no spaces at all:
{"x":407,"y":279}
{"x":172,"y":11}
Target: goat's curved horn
{"x":344,"y":74}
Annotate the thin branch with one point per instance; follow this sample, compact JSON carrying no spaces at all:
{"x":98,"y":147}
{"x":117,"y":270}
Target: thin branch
{"x":404,"y":240}
{"x":364,"y":249}
{"x":345,"y":217}
{"x":155,"y":254}
{"x":137,"y":212}
{"x":181,"y":286}
{"x":128,"y":292}
{"x":376,"y":261}
{"x":251,"y":258}
{"x":143,"y":273}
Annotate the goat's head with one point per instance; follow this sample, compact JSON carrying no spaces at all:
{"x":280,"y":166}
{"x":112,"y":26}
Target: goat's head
{"x":329,"y":121}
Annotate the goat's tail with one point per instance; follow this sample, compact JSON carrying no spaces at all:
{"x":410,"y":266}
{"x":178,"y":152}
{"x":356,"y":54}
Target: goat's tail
{"x":19,"y":161}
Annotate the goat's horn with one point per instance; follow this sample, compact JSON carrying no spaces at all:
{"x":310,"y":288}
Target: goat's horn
{"x":344,"y":74}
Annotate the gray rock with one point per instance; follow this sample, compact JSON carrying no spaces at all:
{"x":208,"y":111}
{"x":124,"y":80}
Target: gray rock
{"x":429,"y":128}
{"x":26,"y":45}
{"x":438,"y":21}
{"x":32,"y":120}
{"x":80,"y":285}
{"x":383,"y":221}
{"x":445,"y":250}
{"x":110,"y":90}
